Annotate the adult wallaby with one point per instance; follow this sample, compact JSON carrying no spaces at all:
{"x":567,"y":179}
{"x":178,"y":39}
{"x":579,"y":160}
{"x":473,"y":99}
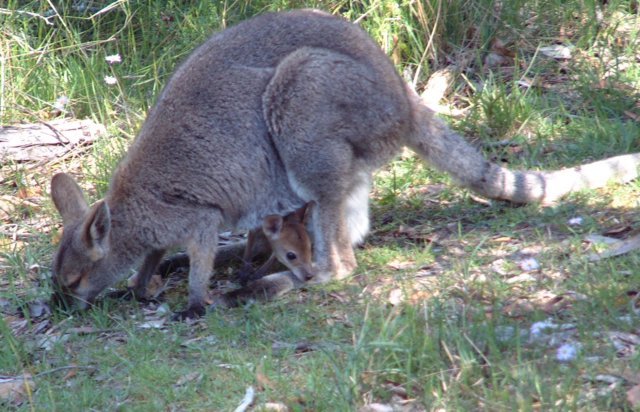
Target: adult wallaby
{"x":269,"y":114}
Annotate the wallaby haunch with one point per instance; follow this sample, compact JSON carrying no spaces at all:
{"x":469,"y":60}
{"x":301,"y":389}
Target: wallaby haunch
{"x":265,"y":116}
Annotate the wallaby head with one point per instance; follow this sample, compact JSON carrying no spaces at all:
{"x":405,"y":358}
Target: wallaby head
{"x":290,"y":241}
{"x":79,"y":263}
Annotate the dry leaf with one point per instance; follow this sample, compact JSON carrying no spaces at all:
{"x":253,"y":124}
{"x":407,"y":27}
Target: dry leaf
{"x":632,"y":115}
{"x":153,"y":324}
{"x":263,"y":381}
{"x":273,"y":407}
{"x":47,"y":342}
{"x":299,"y":347}
{"x":14,"y":389}
{"x":495,"y":60}
{"x":617,"y":249}
{"x":605,"y":240}
{"x":633,"y":396}
{"x":38,"y":308}
{"x":437,"y":86}
{"x":401,"y":264}
{"x":618,"y":230}
{"x":376,"y":407}
{"x":188,"y":378}
{"x":557,"y":51}
{"x":84,"y":330}
{"x":624,"y":343}
{"x":396,"y":297}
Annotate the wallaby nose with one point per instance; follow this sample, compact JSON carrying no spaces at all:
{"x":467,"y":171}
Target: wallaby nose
{"x":309,"y":274}
{"x":61,"y":297}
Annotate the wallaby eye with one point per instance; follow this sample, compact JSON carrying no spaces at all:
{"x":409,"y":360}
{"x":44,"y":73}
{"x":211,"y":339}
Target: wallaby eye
{"x":291,"y":256}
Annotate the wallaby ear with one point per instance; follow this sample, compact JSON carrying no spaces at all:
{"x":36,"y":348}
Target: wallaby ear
{"x":95,"y":231}
{"x":68,"y":198}
{"x":304,"y":213}
{"x":272,"y":226}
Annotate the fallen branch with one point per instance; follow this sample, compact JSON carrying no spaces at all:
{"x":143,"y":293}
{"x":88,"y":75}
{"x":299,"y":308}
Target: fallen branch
{"x":36,"y":142}
{"x":246,"y":401}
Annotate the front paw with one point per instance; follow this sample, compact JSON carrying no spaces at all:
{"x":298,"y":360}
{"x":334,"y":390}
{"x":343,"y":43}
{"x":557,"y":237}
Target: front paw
{"x":193,"y":312}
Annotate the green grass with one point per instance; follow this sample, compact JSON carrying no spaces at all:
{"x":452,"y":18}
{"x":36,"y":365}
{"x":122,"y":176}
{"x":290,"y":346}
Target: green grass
{"x":458,"y":334}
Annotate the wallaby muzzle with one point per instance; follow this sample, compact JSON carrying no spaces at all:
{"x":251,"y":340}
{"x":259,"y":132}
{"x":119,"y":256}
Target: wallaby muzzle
{"x":64,"y":298}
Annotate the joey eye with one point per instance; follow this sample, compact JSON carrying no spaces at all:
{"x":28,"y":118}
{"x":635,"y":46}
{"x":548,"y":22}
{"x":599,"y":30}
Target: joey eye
{"x":291,"y":256}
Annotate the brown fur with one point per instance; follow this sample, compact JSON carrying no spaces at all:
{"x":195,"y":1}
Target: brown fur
{"x":288,"y":242}
{"x":277,"y":111}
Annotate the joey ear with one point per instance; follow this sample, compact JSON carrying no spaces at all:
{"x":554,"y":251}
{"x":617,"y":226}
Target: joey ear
{"x":304,"y":213}
{"x":68,"y":198}
{"x":272,"y":226}
{"x":96,"y":229}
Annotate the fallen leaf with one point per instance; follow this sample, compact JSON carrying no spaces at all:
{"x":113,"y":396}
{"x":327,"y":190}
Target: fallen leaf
{"x":633,"y":396}
{"x":47,"y":342}
{"x":599,"y":239}
{"x":376,"y":407}
{"x":14,"y":389}
{"x":557,"y":51}
{"x":273,"y":407}
{"x":437,"y":86}
{"x":71,"y":373}
{"x":38,"y":308}
{"x":188,"y":378}
{"x":632,"y":115}
{"x":401,"y":264}
{"x":619,"y":248}
{"x":495,"y":60}
{"x":525,"y":277}
{"x":207,"y":340}
{"x":618,"y":230}
{"x":299,"y":347}
{"x":395,"y":297}
{"x":624,"y":343}
{"x":263,"y":381}
{"x":84,"y":330}
{"x":153,"y":324}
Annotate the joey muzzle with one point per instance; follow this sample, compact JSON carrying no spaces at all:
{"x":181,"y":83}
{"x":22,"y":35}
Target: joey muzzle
{"x":305,"y":274}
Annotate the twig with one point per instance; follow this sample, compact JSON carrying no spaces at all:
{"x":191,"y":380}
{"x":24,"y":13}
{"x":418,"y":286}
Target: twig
{"x":55,"y":131}
{"x":30,"y":14}
{"x":247,"y":400}
{"x":63,"y":368}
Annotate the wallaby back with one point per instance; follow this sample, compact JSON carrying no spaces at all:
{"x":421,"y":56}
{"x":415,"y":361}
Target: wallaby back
{"x":280,"y":110}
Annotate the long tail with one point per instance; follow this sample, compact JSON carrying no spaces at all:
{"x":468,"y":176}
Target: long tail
{"x":448,"y":151}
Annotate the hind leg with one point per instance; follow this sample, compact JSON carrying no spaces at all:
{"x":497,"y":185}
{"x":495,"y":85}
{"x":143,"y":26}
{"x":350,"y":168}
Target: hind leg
{"x":333,"y":120}
{"x":332,"y":246}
